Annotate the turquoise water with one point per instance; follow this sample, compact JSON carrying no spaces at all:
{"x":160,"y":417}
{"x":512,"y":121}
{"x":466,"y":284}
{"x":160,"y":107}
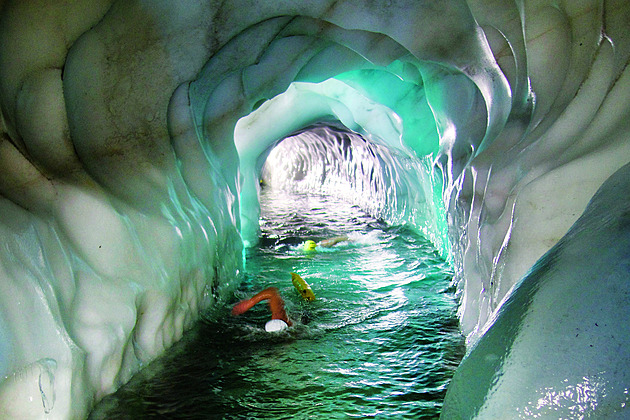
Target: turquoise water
{"x":381,"y":340}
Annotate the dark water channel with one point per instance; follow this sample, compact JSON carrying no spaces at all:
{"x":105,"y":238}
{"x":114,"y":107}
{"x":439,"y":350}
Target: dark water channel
{"x":380,"y":341}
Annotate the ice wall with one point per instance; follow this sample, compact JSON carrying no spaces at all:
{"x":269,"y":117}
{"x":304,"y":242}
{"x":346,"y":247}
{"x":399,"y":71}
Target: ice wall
{"x":121,"y":181}
{"x":557,"y":348}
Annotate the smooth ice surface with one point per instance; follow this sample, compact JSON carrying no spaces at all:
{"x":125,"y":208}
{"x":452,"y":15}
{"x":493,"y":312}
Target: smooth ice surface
{"x":122,"y":181}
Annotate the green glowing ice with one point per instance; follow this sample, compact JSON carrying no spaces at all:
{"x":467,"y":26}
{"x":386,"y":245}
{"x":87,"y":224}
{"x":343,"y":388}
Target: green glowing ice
{"x":406,"y":99}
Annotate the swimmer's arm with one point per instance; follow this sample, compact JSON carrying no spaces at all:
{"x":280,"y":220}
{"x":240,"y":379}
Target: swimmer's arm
{"x":276,"y":304}
{"x":327,"y":243}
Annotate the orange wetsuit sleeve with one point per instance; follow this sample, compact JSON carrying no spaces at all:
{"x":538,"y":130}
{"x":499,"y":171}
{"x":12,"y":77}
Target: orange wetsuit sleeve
{"x":276,"y":304}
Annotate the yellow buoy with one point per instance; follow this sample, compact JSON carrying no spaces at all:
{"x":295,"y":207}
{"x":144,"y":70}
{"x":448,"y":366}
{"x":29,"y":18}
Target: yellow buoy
{"x":302,"y":287}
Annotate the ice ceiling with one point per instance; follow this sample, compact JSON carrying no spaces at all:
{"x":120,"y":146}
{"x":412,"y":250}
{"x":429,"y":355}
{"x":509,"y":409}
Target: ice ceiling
{"x":124,"y":186}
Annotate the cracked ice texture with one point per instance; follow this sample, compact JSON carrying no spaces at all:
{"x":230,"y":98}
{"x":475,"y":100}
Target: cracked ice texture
{"x":119,"y":172}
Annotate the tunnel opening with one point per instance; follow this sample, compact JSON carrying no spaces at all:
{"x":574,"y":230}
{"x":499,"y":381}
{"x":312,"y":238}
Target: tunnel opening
{"x":329,"y":159}
{"x":324,"y":159}
{"x":387,"y":164}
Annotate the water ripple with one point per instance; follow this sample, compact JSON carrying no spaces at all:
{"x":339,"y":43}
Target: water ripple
{"x":381,"y":340}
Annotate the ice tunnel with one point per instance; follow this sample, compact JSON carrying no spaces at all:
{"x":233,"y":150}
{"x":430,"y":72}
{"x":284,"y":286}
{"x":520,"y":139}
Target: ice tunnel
{"x":128,"y":179}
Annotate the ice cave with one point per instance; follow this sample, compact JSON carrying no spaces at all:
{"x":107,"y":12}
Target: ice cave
{"x":133,"y":135}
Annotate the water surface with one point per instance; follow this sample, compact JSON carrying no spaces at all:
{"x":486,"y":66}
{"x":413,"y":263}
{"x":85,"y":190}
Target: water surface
{"x":381,"y":340}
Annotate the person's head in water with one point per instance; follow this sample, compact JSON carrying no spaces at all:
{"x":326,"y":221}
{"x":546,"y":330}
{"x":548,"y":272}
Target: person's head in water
{"x":309,"y":245}
{"x":279,"y":319}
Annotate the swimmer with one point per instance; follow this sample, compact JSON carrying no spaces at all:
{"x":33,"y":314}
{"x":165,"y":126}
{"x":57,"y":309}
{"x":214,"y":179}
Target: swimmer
{"x":326,"y":243}
{"x":279,"y":319}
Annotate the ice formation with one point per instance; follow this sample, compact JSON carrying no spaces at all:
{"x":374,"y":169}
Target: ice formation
{"x":126,"y":178}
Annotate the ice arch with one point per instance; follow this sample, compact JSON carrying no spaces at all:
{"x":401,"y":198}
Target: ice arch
{"x":120,"y":183}
{"x":409,"y":192}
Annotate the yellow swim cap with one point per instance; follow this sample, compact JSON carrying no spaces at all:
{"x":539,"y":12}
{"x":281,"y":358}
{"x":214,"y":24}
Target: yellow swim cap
{"x":309,"y":245}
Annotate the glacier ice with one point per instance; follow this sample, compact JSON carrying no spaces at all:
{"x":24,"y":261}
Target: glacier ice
{"x":127,"y":176}
{"x":556,"y":348}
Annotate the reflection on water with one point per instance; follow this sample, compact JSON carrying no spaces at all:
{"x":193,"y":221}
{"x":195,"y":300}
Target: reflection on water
{"x":381,"y":340}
